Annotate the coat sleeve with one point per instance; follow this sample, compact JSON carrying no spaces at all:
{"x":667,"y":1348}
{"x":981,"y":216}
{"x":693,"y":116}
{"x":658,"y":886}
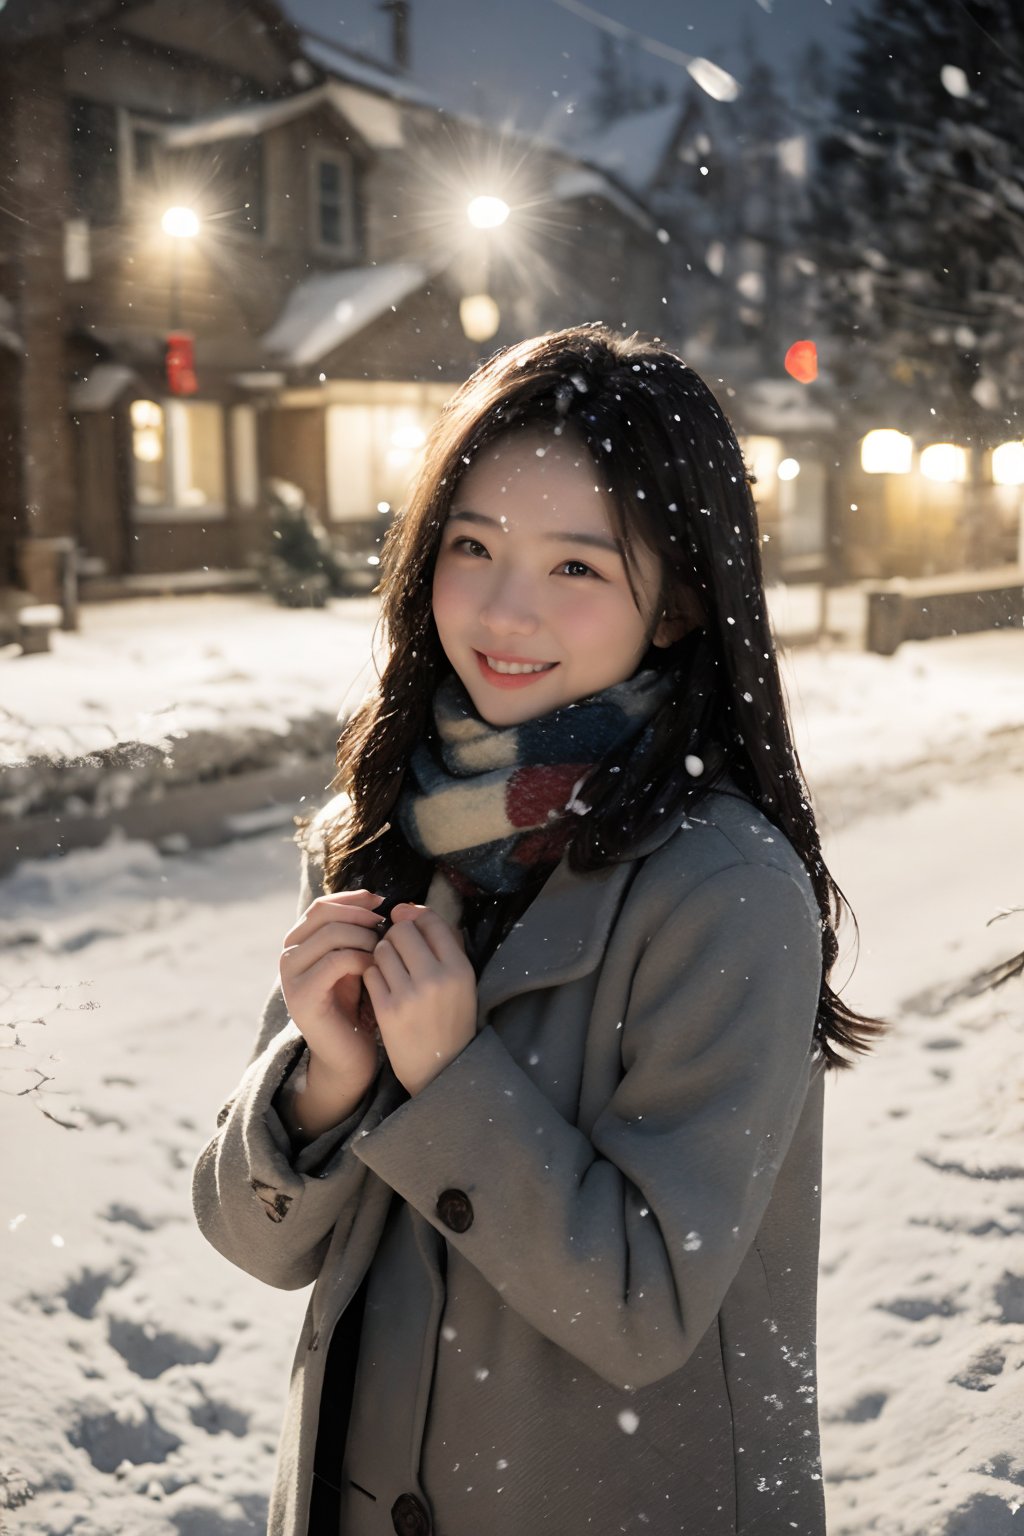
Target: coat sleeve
{"x":620,"y":1246}
{"x":264,"y":1204}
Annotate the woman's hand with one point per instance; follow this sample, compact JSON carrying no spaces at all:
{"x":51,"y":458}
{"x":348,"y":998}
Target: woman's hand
{"x":324,"y":959}
{"x":423,"y":991}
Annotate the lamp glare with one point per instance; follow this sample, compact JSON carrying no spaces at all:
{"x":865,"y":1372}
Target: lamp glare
{"x":180,"y":223}
{"x":487,"y":212}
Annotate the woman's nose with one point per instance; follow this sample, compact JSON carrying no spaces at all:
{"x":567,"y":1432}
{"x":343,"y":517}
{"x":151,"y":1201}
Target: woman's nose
{"x":511,"y":607}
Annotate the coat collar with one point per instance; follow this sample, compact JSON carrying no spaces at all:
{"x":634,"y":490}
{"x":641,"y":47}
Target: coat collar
{"x":564,"y":931}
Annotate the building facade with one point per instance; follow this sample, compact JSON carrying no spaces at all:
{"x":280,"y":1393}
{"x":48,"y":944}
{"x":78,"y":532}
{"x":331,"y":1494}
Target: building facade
{"x":326,"y":285}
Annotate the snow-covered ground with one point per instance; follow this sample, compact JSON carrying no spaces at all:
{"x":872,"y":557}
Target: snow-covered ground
{"x":143,"y":1377}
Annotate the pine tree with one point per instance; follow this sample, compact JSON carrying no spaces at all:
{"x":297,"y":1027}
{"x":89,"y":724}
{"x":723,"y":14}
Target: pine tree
{"x":918,"y":214}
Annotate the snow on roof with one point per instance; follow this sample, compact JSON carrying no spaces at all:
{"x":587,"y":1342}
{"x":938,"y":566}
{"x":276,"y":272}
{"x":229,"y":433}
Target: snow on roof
{"x":327,"y":310}
{"x":633,"y":148}
{"x":374,"y":77}
{"x":102,"y":386}
{"x":377,"y":120}
{"x":589,"y":183}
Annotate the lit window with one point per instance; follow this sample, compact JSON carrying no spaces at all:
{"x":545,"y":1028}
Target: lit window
{"x":886,"y":452}
{"x":944,"y":462}
{"x":1008,"y":464}
{"x":178,"y":456}
{"x":148,"y":451}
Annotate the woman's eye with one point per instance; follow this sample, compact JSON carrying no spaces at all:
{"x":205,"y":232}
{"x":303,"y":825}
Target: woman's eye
{"x":580,"y":566}
{"x":463,"y":545}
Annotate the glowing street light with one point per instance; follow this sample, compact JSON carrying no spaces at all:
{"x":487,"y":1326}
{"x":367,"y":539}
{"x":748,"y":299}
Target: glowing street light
{"x":1008,"y":464}
{"x":944,"y":462}
{"x":488,"y":212}
{"x":180,"y":223}
{"x":886,"y":452}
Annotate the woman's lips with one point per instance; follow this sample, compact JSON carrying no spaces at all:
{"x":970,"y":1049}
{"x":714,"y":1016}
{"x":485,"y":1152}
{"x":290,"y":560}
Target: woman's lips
{"x":509,"y":679}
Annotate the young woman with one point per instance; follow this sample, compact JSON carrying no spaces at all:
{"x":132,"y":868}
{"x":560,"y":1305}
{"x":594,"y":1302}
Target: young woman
{"x":546,"y":1134}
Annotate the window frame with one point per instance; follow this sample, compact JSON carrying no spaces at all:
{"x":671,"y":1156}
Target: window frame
{"x":179,"y":511}
{"x":348,"y":248}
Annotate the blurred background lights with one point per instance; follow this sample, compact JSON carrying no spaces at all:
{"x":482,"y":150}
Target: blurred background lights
{"x":479,"y":315}
{"x":408,"y":437}
{"x":802,"y":362}
{"x":954,"y":80}
{"x":886,"y":452}
{"x":487,"y":212}
{"x":180,"y":222}
{"x":1008,"y":464}
{"x":944,"y":462}
{"x":789,"y":469}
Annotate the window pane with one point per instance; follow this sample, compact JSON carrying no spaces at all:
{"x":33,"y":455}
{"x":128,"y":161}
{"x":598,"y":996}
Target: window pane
{"x":199,"y":454}
{"x":330,"y":224}
{"x":149,"y":458}
{"x":330,"y":179}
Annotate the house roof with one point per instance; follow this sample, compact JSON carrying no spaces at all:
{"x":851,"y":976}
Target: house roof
{"x":324,"y":311}
{"x":342,"y":64}
{"x":583,"y":181}
{"x":376,"y":120}
{"x":633,"y":148}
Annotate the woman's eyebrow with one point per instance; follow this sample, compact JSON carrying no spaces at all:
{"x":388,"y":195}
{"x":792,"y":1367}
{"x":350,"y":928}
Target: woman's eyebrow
{"x":560,"y":536}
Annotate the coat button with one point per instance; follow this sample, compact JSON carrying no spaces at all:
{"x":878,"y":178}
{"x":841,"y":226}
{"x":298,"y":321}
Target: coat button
{"x":454,"y":1209}
{"x":408,"y":1516}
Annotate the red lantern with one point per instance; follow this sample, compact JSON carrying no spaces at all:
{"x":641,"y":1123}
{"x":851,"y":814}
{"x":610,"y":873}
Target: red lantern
{"x":179,"y":360}
{"x":802,"y":362}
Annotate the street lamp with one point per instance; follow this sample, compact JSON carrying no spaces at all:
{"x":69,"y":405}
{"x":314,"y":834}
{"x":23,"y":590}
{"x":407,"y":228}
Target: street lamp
{"x":180,"y":223}
{"x":478,"y":313}
{"x":488,"y":212}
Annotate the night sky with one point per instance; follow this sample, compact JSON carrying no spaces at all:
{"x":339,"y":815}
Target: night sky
{"x":528,"y":60}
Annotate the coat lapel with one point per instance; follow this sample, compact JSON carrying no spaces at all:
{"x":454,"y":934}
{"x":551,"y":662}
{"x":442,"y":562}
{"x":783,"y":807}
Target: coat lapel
{"x":563,"y":933}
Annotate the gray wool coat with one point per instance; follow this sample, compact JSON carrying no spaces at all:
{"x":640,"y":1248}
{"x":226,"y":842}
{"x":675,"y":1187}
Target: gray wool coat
{"x":592,"y":1307}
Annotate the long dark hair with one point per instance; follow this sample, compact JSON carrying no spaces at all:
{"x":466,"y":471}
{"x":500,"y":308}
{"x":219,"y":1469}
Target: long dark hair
{"x":679,"y":485}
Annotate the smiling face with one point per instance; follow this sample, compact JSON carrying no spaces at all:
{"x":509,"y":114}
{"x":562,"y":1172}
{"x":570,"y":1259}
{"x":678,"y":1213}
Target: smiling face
{"x":530,"y":573}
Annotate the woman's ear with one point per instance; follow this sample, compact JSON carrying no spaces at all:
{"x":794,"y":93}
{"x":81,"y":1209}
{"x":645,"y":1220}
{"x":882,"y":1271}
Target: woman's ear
{"x":686,"y":613}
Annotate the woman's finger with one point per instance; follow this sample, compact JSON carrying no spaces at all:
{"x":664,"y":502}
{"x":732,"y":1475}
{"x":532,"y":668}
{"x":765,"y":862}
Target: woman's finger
{"x":439,"y":936}
{"x":391,"y":965}
{"x":297,"y":958}
{"x":356,"y":907}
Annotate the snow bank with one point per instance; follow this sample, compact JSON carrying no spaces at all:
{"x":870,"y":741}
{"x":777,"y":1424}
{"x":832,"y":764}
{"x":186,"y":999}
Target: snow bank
{"x":144,"y":1378}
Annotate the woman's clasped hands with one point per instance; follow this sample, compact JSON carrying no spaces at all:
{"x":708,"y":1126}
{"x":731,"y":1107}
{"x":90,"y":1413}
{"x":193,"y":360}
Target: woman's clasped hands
{"x":419,"y":983}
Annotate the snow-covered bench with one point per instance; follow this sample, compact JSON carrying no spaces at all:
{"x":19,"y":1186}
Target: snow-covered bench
{"x":36,"y":621}
{"x":930,"y":607}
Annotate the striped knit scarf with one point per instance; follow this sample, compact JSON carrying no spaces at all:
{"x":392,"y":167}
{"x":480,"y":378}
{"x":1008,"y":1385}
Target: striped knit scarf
{"x":491,"y":805}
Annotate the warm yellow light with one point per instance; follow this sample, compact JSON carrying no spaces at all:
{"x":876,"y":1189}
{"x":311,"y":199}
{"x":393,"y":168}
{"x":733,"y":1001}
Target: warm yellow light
{"x":886,"y":452}
{"x":487,"y":212}
{"x":408,"y":437}
{"x":146,"y":413}
{"x":147,"y":445}
{"x":789,"y":469}
{"x":480,"y":316}
{"x":1008,"y":464}
{"x":182,"y":223}
{"x":944,"y":462}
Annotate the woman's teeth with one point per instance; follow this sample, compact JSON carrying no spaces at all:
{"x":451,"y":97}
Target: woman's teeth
{"x":518,"y":666}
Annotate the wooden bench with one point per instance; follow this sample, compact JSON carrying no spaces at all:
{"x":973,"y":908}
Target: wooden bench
{"x":933,"y":607}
